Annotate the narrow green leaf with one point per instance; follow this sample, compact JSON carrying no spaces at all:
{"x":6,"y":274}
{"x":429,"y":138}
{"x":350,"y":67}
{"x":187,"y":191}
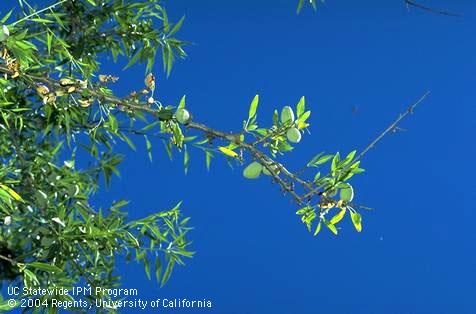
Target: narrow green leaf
{"x":168,"y":271}
{"x":149,"y":147}
{"x":335,"y":162}
{"x":356,"y":220}
{"x":330,"y":226}
{"x":338,"y":217}
{"x":186,"y":159}
{"x":182,"y":102}
{"x":12,"y":193}
{"x":301,"y":106}
{"x":113,"y":123}
{"x":300,"y":5}
{"x":176,"y":27}
{"x":319,"y":160}
{"x":5,"y":18}
{"x":208,"y":159}
{"x":158,"y":268}
{"x":147,"y":267}
{"x":49,"y":41}
{"x":318,"y":228}
{"x":348,"y":159}
{"x":45,"y":267}
{"x":253,"y":107}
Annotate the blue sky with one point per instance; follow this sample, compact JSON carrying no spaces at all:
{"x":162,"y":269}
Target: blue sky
{"x":416,"y":252}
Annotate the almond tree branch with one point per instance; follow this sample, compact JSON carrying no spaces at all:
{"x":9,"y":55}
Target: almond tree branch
{"x":287,"y":187}
{"x":425,"y":8}
{"x":393,"y":126}
{"x":265,"y":160}
{"x":283,"y":177}
{"x":372,"y":144}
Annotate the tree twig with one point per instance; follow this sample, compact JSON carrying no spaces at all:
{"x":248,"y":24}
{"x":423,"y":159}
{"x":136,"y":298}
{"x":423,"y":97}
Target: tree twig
{"x":11,"y":261}
{"x":425,"y":8}
{"x":392,"y":126}
{"x":372,"y":144}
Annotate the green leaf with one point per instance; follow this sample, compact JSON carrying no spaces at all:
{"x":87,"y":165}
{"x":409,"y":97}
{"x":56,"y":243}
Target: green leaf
{"x":132,"y":60}
{"x":45,"y":267}
{"x":253,"y":107}
{"x":319,"y":160}
{"x":208,"y":159}
{"x":147,"y":267}
{"x":12,"y":193}
{"x":338,"y":217}
{"x":348,"y":159}
{"x":29,"y":278}
{"x":301,"y":106}
{"x":158,"y":268}
{"x":41,"y":20}
{"x":323,"y":159}
{"x":335,"y":162}
{"x":302,"y":120}
{"x":317,"y":176}
{"x":148,"y":147}
{"x":330,"y":226}
{"x":5,"y":196}
{"x":182,"y":102}
{"x":176,"y":26}
{"x":304,"y":210}
{"x":356,"y":220}
{"x":300,"y":5}
{"x":113,"y":123}
{"x":5,"y":18}
{"x":318,"y":228}
{"x":186,"y":159}
{"x":168,"y":271}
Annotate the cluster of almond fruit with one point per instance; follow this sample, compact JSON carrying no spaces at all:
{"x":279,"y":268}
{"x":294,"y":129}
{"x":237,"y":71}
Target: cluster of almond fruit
{"x":254,"y":169}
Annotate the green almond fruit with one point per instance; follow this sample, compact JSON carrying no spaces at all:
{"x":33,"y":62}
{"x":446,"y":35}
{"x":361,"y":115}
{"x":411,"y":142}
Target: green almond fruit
{"x":347,"y":193}
{"x":182,"y":116}
{"x":4,"y":33}
{"x":293,"y":135}
{"x":253,"y":170}
{"x":287,"y":115}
